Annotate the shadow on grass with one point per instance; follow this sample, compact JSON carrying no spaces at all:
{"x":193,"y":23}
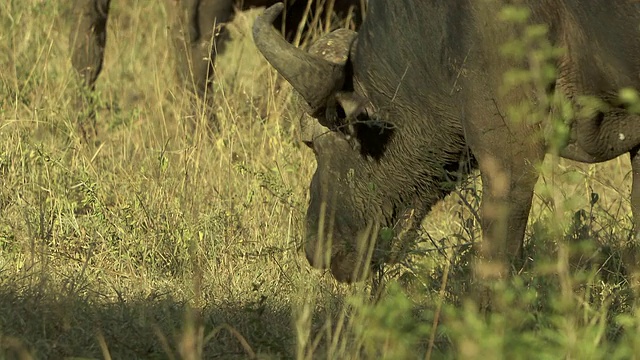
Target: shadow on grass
{"x":45,"y":325}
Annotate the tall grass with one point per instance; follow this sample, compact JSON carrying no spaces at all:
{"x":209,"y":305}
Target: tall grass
{"x":164,"y":239}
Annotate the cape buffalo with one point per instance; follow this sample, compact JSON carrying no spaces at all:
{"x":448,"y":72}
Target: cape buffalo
{"x":416,"y":98}
{"x":196,"y":22}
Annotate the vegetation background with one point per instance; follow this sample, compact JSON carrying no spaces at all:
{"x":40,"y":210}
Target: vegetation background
{"x":164,"y":239}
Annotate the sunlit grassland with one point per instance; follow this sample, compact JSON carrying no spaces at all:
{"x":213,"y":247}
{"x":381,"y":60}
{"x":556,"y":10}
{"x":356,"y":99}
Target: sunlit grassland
{"x":164,"y":239}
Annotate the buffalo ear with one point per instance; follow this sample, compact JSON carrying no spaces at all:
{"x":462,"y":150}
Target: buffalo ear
{"x":350,"y":108}
{"x":352,"y":104}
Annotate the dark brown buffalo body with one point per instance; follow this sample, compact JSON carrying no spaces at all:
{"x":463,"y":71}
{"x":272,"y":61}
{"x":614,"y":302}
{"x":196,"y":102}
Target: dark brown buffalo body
{"x":416,"y":99}
{"x":197,"y":21}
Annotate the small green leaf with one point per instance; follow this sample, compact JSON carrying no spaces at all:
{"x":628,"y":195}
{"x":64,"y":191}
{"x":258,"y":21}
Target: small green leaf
{"x":387,"y":234}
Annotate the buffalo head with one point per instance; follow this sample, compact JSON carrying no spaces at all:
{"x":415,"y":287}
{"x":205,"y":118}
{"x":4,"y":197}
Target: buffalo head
{"x":360,"y":189}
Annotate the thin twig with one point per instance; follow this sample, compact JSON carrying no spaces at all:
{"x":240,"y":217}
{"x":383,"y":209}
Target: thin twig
{"x":436,"y":318}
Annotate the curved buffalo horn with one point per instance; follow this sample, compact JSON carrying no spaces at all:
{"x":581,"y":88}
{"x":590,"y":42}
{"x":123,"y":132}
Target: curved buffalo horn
{"x":313,"y":75}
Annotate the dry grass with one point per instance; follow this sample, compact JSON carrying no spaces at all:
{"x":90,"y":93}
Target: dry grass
{"x":166,"y":240}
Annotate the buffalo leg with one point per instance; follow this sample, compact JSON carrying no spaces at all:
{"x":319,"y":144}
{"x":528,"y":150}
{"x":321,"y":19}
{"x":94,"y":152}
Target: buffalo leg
{"x":508,"y":184}
{"x":506,"y":201}
{"x":88,"y":39}
{"x":635,"y":189}
{"x":630,"y":255}
{"x":201,"y":22}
